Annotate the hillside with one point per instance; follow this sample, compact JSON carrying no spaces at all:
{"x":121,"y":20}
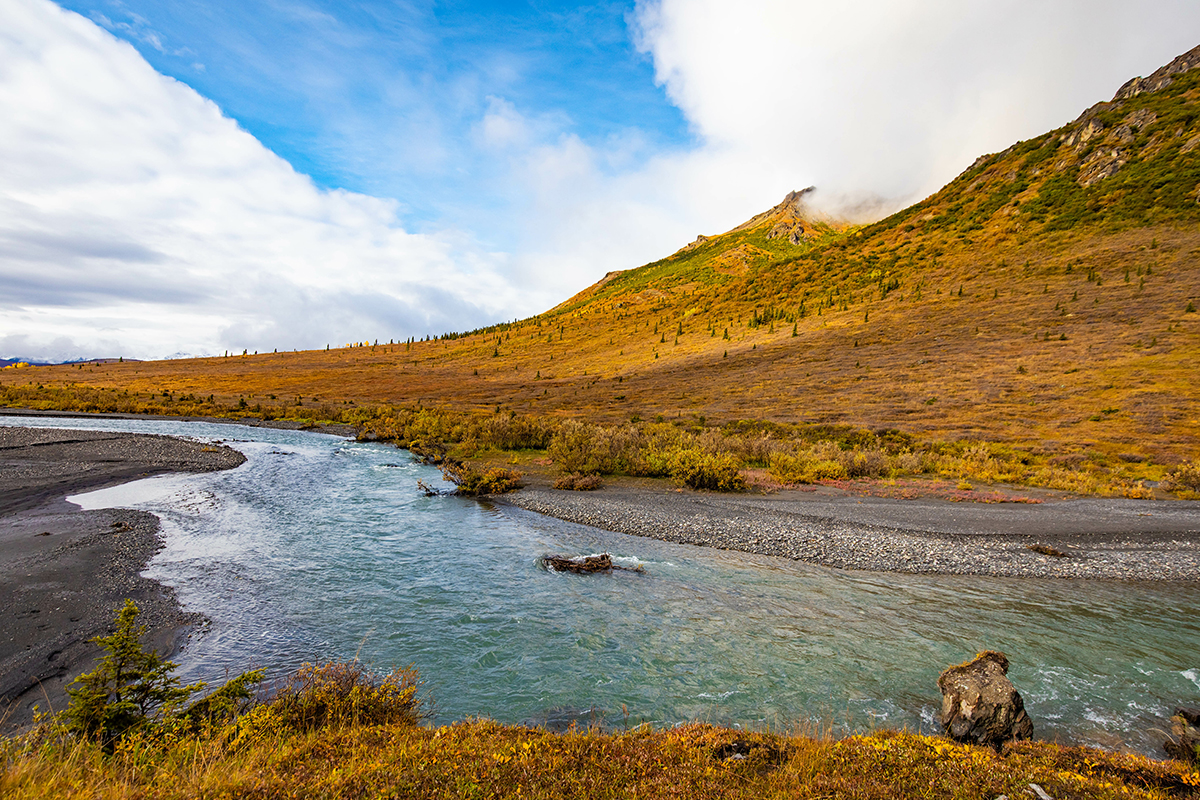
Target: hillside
{"x":1043,"y":298}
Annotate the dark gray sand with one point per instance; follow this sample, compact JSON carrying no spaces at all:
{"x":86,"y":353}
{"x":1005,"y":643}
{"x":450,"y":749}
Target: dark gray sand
{"x":65,"y":572}
{"x":1101,"y":538}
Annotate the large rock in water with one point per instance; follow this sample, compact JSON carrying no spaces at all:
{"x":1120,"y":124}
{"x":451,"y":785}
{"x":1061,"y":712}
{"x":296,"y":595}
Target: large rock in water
{"x":979,"y":703}
{"x":1184,"y":743}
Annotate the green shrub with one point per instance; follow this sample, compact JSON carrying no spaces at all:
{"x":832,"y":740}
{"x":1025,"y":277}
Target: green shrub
{"x":133,"y":687}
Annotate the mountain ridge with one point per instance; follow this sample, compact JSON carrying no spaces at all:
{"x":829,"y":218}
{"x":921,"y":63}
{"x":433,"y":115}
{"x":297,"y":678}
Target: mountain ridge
{"x":1043,"y":296}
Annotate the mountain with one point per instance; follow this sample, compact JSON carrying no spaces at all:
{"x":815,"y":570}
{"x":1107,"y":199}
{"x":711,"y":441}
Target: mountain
{"x":1045,"y":297}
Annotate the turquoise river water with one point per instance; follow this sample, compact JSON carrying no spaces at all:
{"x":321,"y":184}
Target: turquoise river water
{"x":323,"y":548}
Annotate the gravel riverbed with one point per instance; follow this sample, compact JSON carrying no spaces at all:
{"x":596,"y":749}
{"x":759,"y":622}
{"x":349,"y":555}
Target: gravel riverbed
{"x":1100,"y":538}
{"x":65,"y":572}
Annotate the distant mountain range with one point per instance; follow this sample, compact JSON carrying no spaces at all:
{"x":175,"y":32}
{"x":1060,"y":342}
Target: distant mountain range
{"x":5,"y":362}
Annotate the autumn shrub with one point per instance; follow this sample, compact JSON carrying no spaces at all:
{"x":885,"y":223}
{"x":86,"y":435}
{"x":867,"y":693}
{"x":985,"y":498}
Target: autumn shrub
{"x":512,"y":432}
{"x":338,"y":694}
{"x":911,"y":463}
{"x":872,"y":463}
{"x":471,"y":481}
{"x":579,"y":483}
{"x":583,"y":448}
{"x":1184,"y":478}
{"x":754,"y":450}
{"x":651,"y":449}
{"x":805,"y":467}
{"x":697,"y":469}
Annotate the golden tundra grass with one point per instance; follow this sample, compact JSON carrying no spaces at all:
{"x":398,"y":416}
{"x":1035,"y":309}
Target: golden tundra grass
{"x":484,"y":759}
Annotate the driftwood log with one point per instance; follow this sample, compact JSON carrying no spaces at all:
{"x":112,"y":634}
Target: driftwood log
{"x":587,"y":564}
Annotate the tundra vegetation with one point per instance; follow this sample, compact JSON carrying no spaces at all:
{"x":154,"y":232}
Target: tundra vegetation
{"x":686,"y":450}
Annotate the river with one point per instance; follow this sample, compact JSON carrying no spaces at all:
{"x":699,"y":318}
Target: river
{"x":322,"y":548}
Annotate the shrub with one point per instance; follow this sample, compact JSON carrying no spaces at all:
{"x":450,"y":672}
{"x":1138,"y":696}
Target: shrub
{"x":338,"y":694}
{"x":472,"y":482}
{"x":582,"y":448}
{"x":696,"y":469}
{"x":579,"y":483}
{"x":808,"y":467}
{"x":1184,"y":478}
{"x":865,"y":463}
{"x":227,"y":703}
{"x":133,"y":687}
{"x":914,"y":463}
{"x":649,"y":449}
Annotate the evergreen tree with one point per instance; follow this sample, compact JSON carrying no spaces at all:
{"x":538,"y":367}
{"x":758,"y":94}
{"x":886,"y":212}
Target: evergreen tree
{"x":129,"y":685}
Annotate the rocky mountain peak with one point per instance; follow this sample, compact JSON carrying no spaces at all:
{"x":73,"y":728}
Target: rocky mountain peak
{"x":1161,"y":77}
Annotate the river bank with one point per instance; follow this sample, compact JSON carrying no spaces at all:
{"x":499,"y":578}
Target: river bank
{"x":64,"y":571}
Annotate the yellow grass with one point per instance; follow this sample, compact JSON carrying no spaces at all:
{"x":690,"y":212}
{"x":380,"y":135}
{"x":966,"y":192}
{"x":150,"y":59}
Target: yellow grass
{"x":485,"y":759}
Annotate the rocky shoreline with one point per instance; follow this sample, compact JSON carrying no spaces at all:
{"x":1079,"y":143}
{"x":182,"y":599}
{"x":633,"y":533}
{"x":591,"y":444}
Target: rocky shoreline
{"x":63,"y":571}
{"x":1097,"y":538}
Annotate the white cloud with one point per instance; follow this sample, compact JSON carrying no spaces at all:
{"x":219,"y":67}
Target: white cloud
{"x":503,"y":126}
{"x":135,"y":216}
{"x":874,"y":97}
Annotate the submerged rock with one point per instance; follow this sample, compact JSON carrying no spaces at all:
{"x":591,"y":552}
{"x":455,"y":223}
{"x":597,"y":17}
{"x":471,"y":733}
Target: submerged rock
{"x":1184,"y":743}
{"x":979,"y":703}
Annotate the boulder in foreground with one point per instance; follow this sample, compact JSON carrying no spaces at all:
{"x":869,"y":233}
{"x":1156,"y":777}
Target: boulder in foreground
{"x":979,"y":703}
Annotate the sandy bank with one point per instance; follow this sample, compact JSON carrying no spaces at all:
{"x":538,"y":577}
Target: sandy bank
{"x":64,"y":572}
{"x":1102,"y":538}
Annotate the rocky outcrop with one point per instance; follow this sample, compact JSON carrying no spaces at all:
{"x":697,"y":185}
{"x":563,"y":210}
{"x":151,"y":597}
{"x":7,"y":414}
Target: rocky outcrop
{"x":792,"y":229}
{"x":1184,"y":743}
{"x":979,"y":703}
{"x":1161,"y":77}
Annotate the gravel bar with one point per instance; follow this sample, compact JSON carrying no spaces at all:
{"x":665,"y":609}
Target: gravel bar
{"x":65,"y":572}
{"x":1100,"y":538}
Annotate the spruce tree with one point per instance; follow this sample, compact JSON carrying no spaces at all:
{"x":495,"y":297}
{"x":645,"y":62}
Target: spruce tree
{"x":129,"y":685}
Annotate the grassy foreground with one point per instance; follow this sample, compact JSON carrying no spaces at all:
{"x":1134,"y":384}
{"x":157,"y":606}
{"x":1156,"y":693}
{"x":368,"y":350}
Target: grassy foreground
{"x":479,"y":759}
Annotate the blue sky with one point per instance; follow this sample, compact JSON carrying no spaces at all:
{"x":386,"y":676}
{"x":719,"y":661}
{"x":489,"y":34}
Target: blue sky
{"x":186,"y":177}
{"x":382,"y":97}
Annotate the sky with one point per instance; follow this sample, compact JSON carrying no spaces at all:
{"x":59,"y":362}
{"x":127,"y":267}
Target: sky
{"x":181,"y":177}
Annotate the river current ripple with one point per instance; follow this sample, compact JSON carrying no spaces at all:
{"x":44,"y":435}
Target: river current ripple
{"x":322,"y":548}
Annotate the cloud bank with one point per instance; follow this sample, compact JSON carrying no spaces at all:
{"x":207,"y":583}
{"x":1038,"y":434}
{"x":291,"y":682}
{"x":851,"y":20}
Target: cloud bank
{"x":876,"y":103}
{"x":135,"y":217}
{"x":877,"y":98}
